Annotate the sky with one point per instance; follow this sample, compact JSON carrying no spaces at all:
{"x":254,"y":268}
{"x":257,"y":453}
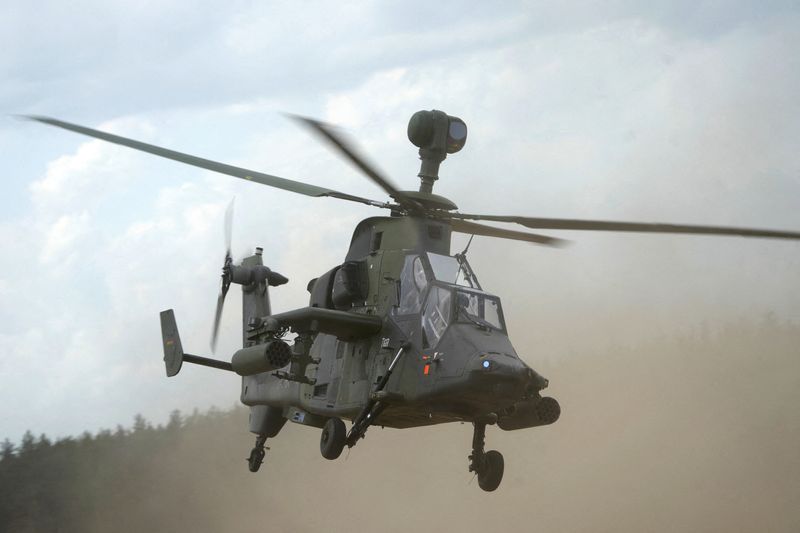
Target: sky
{"x":670,"y":112}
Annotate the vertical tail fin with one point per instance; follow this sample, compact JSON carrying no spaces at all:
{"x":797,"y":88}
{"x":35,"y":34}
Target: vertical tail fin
{"x":255,"y":279}
{"x":173,"y":351}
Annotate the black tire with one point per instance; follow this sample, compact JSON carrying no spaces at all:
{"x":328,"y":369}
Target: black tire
{"x":491,"y":474}
{"x":255,"y":459}
{"x":331,"y":442}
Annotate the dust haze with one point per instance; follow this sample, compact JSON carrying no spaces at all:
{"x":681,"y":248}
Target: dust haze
{"x":693,"y":431}
{"x":683,"y":434}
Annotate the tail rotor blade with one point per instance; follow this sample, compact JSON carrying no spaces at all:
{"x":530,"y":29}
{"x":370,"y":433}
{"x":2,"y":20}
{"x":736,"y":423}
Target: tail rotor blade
{"x":229,"y":227}
{"x":226,"y":273}
{"x":217,"y":317}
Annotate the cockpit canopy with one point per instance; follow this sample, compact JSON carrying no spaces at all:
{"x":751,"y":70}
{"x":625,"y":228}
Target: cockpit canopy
{"x":443,"y":290}
{"x":420,"y":270}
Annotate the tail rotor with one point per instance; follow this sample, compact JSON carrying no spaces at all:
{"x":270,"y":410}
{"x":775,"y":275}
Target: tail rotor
{"x":226,"y":274}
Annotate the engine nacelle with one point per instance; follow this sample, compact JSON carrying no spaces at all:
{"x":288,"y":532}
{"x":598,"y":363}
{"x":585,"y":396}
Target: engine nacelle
{"x":260,"y":358}
{"x":247,"y":274}
{"x":530,"y":413}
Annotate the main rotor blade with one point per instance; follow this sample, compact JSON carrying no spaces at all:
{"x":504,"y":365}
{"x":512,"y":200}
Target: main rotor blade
{"x":326,"y":132}
{"x":637,"y":227}
{"x":471,"y":228}
{"x":237,"y":172}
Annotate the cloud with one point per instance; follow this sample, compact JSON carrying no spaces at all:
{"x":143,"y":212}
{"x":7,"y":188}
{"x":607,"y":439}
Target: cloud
{"x":94,"y":171}
{"x":62,"y":236}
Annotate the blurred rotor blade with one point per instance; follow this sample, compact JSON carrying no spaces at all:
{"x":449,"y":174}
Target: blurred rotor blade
{"x":217,"y":317}
{"x":637,"y":227}
{"x":226,"y":273}
{"x":226,"y":284}
{"x":229,"y":227}
{"x":471,"y":228}
{"x":346,"y":148}
{"x":237,"y":172}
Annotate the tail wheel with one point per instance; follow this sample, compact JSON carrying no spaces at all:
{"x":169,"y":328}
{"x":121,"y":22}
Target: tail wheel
{"x":333,"y":438}
{"x":491,"y":473}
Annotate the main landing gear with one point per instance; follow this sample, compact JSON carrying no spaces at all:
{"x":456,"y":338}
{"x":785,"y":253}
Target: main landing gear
{"x":488,"y":465}
{"x":335,"y":435}
{"x":257,"y":454}
{"x":333,"y":438}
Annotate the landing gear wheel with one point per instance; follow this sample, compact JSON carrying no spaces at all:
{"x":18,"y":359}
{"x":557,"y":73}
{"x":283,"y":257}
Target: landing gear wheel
{"x":491,"y":472}
{"x":257,"y":454}
{"x":333,"y":437}
{"x":255,"y":459}
{"x":489,"y":465}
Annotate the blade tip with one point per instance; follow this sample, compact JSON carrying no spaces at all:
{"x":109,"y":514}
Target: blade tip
{"x":21,"y":116}
{"x":299,"y":118}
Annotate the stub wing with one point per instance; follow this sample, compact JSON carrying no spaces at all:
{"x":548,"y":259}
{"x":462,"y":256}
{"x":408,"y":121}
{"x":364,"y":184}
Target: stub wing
{"x":343,"y":324}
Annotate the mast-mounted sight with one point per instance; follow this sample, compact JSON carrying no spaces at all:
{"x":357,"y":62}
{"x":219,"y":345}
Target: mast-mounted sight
{"x":436,"y":134}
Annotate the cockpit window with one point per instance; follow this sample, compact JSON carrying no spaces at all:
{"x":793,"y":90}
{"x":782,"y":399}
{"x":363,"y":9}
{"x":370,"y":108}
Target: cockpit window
{"x":448,"y":269}
{"x":436,"y":316}
{"x":480,"y":309}
{"x":420,"y":278}
{"x":413,"y":282}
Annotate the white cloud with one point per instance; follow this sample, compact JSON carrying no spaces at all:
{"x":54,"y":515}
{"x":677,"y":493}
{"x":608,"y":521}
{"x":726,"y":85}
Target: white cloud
{"x":90,"y":174}
{"x":56,"y":180}
{"x":62,"y":236}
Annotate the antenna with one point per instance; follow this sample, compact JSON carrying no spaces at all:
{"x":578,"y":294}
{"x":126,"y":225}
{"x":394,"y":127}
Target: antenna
{"x":463,"y":264}
{"x":466,"y":248}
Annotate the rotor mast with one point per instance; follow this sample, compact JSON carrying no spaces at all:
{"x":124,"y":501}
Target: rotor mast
{"x":429,"y":169}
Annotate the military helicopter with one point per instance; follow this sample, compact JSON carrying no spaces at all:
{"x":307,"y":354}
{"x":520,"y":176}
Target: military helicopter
{"x":401,"y":333}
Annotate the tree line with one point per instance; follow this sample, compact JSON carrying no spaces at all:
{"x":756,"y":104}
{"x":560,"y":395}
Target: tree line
{"x":70,"y":483}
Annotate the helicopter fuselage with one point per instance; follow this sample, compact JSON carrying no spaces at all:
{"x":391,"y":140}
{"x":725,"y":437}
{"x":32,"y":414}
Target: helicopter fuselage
{"x":455,"y":360}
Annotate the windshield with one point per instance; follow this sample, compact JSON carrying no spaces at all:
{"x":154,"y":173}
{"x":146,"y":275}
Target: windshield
{"x":480,"y":309}
{"x":448,"y":269}
{"x":413,"y":282}
{"x":436,"y":315}
{"x":418,"y":270}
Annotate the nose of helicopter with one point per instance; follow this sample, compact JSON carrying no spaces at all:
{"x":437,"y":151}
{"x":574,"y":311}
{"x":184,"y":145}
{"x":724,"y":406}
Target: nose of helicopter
{"x":509,"y":376}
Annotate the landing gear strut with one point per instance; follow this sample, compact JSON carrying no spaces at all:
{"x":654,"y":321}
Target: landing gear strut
{"x":257,"y":454}
{"x":488,"y":465}
{"x":374,"y":407}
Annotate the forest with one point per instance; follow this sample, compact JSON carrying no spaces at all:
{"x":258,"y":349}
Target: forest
{"x":694,"y":432}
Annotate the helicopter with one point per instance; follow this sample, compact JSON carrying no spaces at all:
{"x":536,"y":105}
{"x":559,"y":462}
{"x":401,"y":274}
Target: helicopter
{"x":401,"y":334}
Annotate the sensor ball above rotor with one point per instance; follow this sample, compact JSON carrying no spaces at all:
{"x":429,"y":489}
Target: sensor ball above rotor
{"x":436,"y":134}
{"x":438,"y":131}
